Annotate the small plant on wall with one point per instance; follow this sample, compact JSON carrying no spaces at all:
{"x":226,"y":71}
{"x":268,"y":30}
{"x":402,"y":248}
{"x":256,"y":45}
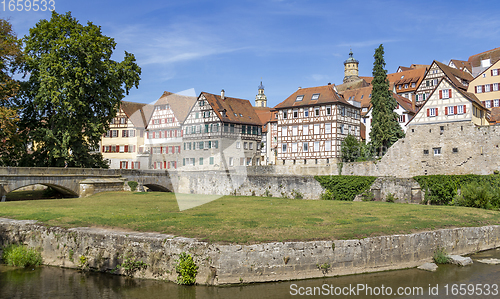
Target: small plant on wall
{"x":186,"y":269}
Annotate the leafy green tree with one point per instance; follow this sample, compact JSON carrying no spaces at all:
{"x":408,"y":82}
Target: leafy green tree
{"x":385,"y":129}
{"x":353,"y":150}
{"x":73,"y":91}
{"x":11,"y":59}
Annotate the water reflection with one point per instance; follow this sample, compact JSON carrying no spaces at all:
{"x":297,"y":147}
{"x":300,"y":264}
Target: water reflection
{"x":51,"y":282}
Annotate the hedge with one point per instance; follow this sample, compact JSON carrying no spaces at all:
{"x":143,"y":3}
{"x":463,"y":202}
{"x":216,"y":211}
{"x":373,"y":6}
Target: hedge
{"x":345,"y":187}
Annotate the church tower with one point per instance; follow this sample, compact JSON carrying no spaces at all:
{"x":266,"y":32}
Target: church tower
{"x":351,"y":69}
{"x":260,"y":98}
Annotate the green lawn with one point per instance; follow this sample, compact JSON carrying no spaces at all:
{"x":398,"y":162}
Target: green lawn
{"x":246,"y":219}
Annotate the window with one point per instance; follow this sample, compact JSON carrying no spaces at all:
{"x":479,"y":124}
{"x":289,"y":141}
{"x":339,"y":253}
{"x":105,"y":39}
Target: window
{"x":437,"y":151}
{"x":402,"y":118}
{"x":413,"y":85}
{"x":495,"y":87}
{"x":328,"y":110}
{"x":328,"y":145}
{"x":283,"y":148}
{"x":231,"y":128}
{"x":305,"y":130}
{"x":479,"y":89}
{"x":487,"y":104}
{"x":211,"y":161}
{"x":450,"y":110}
{"x":494,"y":72}
{"x":249,"y":161}
{"x":364,"y":110}
{"x":496,"y":103}
{"x":342,"y":129}
{"x":487,"y":88}
{"x":426,"y":152}
{"x":122,"y":149}
{"x":226,"y":128}
{"x":231,"y":161}
{"x":328,"y":128}
{"x":294,"y":147}
{"x":294,"y":131}
{"x":305,"y":147}
{"x":201,"y":161}
{"x":250,"y":145}
{"x":315,"y":97}
{"x":316,"y":111}
{"x":431,"y":112}
{"x":245,"y":145}
{"x":202,"y":102}
{"x":284,"y":131}
{"x":435,"y":82}
{"x":316,"y":146}
{"x":399,"y":86}
{"x":114,"y":133}
{"x":316,"y":129}
{"x":295,"y":113}
{"x":455,"y":150}
{"x":406,"y":85}
{"x":238,"y":144}
{"x":285,"y":114}
{"x":306,"y":112}
{"x":445,"y":94}
{"x":299,"y":98}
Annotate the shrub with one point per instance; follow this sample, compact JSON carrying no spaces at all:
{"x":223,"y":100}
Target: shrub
{"x":21,"y":256}
{"x":476,"y":195}
{"x":297,"y":195}
{"x":440,"y":256}
{"x":186,"y":269}
{"x":327,"y":195}
{"x":390,"y":198}
{"x":367,"y":196}
{"x":132,"y":185}
{"x":344,"y":187}
{"x":130,"y":265}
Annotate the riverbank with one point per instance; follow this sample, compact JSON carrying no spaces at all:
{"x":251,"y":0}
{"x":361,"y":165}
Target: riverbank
{"x":219,"y":264}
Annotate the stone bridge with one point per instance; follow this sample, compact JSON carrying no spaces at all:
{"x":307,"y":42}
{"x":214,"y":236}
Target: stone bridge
{"x":81,"y":182}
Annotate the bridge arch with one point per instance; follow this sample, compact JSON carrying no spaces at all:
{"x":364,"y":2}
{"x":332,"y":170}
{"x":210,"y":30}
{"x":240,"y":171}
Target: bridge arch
{"x":67,"y":193}
{"x":156,"y":187}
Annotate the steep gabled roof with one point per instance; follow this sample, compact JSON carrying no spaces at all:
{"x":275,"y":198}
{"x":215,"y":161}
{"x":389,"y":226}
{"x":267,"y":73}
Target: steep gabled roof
{"x":355,"y":84}
{"x":453,"y":73}
{"x":264,"y":114}
{"x":493,"y":55}
{"x":460,"y":64}
{"x":179,"y":104}
{"x":136,"y":112}
{"x":327,"y":94}
{"x":412,"y":75}
{"x":237,"y":110}
{"x":495,"y":115}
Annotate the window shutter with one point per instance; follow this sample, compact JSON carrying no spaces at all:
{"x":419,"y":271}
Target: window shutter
{"x":126,"y":165}
{"x":120,"y":164}
{"x":428,"y":112}
{"x":404,"y":118}
{"x":132,"y":165}
{"x":164,"y":164}
{"x":103,"y":149}
{"x":138,"y":165}
{"x":445,"y":110}
{"x":437,"y":109}
{"x":455,"y":109}
{"x":482,"y":87}
{"x":449,"y":93}
{"x":491,"y":87}
{"x":464,"y":109}
{"x":161,"y":149}
{"x":475,"y":89}
{"x":484,"y":103}
{"x":169,"y":165}
{"x":440,"y":94}
{"x":492,"y":72}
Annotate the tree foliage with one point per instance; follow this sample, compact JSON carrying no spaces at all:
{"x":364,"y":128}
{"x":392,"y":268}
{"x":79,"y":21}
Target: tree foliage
{"x":11,"y":59}
{"x":353,"y":150}
{"x":73,"y":91}
{"x":385,"y":129}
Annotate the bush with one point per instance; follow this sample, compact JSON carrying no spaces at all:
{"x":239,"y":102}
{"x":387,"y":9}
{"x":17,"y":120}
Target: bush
{"x":476,"y":195}
{"x":130,"y":265}
{"x":21,"y":256}
{"x":297,"y":195}
{"x":390,"y":198}
{"x":132,"y":185}
{"x":186,"y":269}
{"x":440,"y":256}
{"x":442,"y":189}
{"x":367,"y":196}
{"x":327,"y":195}
{"x":344,"y":187}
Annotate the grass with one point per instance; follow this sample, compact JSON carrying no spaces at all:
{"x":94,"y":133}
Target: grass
{"x":246,"y":220}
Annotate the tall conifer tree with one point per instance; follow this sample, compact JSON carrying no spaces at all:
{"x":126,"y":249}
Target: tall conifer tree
{"x":385,"y":129}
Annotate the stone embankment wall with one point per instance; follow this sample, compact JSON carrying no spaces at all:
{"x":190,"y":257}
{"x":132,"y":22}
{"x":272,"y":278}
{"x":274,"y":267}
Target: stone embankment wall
{"x":229,"y":264}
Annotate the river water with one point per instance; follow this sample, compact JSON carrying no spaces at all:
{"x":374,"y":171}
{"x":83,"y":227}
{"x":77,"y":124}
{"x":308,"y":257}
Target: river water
{"x":52,"y":282}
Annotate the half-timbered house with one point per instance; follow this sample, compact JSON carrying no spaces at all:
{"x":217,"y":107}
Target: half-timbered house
{"x":220,"y":133}
{"x":123,"y":143}
{"x":438,"y":70}
{"x":312,"y":123}
{"x":164,"y":132}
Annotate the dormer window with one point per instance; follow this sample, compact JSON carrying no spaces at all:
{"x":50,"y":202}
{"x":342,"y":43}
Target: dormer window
{"x":370,"y":95}
{"x":223,"y":113}
{"x":362,"y":96}
{"x":299,"y":98}
{"x":315,"y":97}
{"x":402,"y":77}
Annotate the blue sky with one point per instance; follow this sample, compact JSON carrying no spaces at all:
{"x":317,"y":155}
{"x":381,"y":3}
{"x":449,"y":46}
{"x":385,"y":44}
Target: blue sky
{"x":231,"y":45}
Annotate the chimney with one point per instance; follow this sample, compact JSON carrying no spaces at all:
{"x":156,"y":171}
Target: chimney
{"x":329,"y":83}
{"x":300,"y":87}
{"x":222,"y":94}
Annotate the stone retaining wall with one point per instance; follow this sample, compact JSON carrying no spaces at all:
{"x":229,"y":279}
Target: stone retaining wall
{"x":228,"y":264}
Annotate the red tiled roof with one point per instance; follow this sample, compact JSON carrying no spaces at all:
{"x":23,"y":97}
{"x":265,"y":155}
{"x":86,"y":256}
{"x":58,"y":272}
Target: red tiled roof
{"x":326,"y":93}
{"x":137,"y":113}
{"x":233,"y":108}
{"x":460,"y":64}
{"x":409,"y":76}
{"x":453,"y":73}
{"x":264,"y":114}
{"x":495,"y":115}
